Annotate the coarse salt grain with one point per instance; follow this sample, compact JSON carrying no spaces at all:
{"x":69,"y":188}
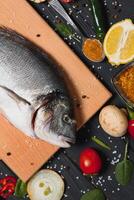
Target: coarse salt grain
{"x":65,"y":195}
{"x":109,"y":178}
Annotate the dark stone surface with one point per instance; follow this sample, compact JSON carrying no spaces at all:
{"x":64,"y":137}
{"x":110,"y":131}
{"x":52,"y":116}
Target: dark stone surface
{"x":66,"y":162}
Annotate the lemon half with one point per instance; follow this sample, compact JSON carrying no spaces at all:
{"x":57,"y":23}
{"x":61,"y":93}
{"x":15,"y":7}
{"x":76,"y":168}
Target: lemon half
{"x":119,"y":43}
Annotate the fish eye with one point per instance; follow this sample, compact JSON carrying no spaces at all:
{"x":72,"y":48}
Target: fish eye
{"x":66,"y":118}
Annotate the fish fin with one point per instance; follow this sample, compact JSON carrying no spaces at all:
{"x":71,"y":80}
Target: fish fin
{"x":17,"y":110}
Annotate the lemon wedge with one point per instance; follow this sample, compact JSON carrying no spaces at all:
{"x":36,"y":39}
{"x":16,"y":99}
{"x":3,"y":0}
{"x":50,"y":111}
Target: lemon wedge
{"x":118,"y":43}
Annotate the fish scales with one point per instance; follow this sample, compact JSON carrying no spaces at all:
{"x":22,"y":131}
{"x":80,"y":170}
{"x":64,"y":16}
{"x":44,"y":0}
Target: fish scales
{"x":27,"y":71}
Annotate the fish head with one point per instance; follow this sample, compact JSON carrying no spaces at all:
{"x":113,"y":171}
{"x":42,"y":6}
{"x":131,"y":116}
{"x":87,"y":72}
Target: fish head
{"x":55,"y":124}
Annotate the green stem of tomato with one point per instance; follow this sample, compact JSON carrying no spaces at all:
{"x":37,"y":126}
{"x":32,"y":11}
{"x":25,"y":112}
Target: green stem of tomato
{"x":131,"y":113}
{"x":100,"y":142}
{"x":126,"y":151}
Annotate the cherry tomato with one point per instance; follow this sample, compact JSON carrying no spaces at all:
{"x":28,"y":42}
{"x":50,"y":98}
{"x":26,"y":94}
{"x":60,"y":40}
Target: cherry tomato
{"x":90,"y":161}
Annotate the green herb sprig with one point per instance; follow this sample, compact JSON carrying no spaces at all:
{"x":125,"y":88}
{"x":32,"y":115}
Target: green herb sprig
{"x":124,"y":169}
{"x":66,"y":31}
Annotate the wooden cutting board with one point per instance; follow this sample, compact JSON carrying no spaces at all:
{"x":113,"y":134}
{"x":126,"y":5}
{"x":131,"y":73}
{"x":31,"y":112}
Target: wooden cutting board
{"x":22,"y":154}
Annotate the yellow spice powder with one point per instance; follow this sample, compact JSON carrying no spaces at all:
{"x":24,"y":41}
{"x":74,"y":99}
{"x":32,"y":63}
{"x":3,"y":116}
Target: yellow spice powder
{"x":126,"y":83}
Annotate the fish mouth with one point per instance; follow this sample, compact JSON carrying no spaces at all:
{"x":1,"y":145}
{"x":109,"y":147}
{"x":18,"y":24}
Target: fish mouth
{"x":67,"y":141}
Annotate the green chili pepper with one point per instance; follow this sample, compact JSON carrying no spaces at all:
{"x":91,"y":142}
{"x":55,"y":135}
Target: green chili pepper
{"x":98,"y":19}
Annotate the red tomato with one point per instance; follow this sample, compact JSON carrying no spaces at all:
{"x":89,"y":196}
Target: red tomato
{"x":131,"y":128}
{"x":90,"y":161}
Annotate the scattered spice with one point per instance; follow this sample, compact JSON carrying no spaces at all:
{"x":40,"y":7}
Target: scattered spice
{"x":84,"y":96}
{"x":38,"y":35}
{"x":115,"y":16}
{"x":8,"y":153}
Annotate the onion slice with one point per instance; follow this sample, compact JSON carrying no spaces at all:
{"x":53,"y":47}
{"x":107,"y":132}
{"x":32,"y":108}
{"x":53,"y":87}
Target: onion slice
{"x":46,"y":185}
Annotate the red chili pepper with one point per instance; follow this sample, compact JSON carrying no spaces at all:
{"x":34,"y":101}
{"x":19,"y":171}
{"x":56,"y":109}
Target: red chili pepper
{"x":7,"y":190}
{"x":7,"y":186}
{"x":8,"y":179}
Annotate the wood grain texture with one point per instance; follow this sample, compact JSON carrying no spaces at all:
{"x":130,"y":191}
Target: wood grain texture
{"x":28,"y":155}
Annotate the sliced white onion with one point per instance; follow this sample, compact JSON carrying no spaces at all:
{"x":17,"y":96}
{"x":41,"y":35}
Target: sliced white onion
{"x":45,"y":185}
